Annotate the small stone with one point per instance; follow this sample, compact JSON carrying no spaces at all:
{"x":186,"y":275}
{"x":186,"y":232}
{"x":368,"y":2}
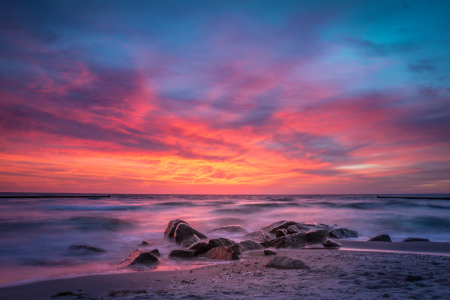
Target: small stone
{"x":284,"y":262}
{"x":329,"y":243}
{"x":145,"y":243}
{"x":412,"y":278}
{"x":380,"y":238}
{"x":181,"y":254}
{"x":269,"y":252}
{"x":415,"y":239}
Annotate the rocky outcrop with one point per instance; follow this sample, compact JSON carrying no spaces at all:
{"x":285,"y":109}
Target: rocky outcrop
{"x":171,"y":227}
{"x":284,"y":262}
{"x":245,"y":246}
{"x":269,"y":252}
{"x":290,"y":241}
{"x":200,"y":248}
{"x":283,"y":224}
{"x":328,"y":243}
{"x":213,"y":243}
{"x":281,"y":232}
{"x":181,"y":254}
{"x":380,"y":238}
{"x":316,"y":236}
{"x":187,"y":235}
{"x":342,"y":233}
{"x":235,"y":229}
{"x":297,"y":228}
{"x":138,"y":257}
{"x":415,"y":239}
{"x":257,"y":236}
{"x":86,"y":249}
{"x":221,"y":253}
{"x":155,"y":252}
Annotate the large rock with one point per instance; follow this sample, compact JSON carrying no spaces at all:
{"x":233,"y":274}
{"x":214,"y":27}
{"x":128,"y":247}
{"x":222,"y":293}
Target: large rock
{"x":381,"y":238}
{"x":182,"y":254}
{"x":221,"y":253}
{"x":189,"y":241}
{"x":328,"y":243}
{"x":283,"y":224}
{"x":213,"y":243}
{"x":316,"y":236}
{"x":172,"y":226}
{"x":138,"y":257}
{"x":415,"y":239}
{"x":284,"y":262}
{"x":155,"y":252}
{"x":290,"y":241}
{"x":245,"y":246}
{"x":267,"y":244}
{"x":229,"y":229}
{"x":269,"y":252}
{"x":86,"y":249}
{"x":342,"y":233}
{"x":184,"y":234}
{"x":297,"y":228}
{"x":200,"y":248}
{"x":257,"y":236}
{"x":281,"y":232}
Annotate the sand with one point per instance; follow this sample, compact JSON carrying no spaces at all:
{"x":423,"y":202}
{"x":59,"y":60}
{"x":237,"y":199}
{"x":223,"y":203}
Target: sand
{"x":333,"y":274}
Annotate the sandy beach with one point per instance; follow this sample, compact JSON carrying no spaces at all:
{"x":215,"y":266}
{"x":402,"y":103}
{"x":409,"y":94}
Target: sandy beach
{"x":381,"y":270}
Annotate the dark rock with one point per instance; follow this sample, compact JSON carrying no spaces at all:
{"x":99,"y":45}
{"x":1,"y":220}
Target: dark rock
{"x":184,"y":234}
{"x":283,"y":224}
{"x":145,"y":243}
{"x":86,"y":249}
{"x":284,"y":262}
{"x":138,"y":257}
{"x":189,"y":241}
{"x":342,"y":233}
{"x":380,"y":238}
{"x":172,"y":226}
{"x":221,"y":253}
{"x":290,"y":241}
{"x":297,"y":228}
{"x":269,"y":252}
{"x":245,"y":246}
{"x":415,"y":239}
{"x":213,"y":243}
{"x":257,"y":236}
{"x":267,"y":244}
{"x":281,"y":232}
{"x":229,"y":229}
{"x":316,"y":236}
{"x":412,"y":278}
{"x":200,"y":248}
{"x":155,"y":252}
{"x":182,"y":254}
{"x":328,"y":243}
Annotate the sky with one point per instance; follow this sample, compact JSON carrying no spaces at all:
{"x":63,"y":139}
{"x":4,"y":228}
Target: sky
{"x":225,"y":97}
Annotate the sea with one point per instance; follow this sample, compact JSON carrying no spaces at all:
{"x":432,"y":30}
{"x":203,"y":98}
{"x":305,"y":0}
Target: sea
{"x":36,"y":233}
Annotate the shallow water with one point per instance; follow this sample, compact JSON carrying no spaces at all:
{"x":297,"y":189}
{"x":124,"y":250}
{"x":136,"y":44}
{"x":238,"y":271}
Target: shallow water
{"x":35,"y":233}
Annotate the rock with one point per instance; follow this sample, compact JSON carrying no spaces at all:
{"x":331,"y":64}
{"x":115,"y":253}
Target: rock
{"x":267,"y":244}
{"x":283,"y":224}
{"x":186,"y":233}
{"x":290,"y":241}
{"x":138,"y":257}
{"x":415,"y":239}
{"x":342,"y":233}
{"x":200,"y":248}
{"x":412,"y":278}
{"x":86,"y":249}
{"x":245,"y":246}
{"x":213,"y":243}
{"x":328,"y":243}
{"x":189,"y":241}
{"x":172,"y":226}
{"x":145,"y":243}
{"x":284,"y":262}
{"x":281,"y":232}
{"x":297,"y":228}
{"x":380,"y":238}
{"x":269,"y":252}
{"x":229,"y":229}
{"x":221,"y":253}
{"x":182,"y":254}
{"x":155,"y":252}
{"x":257,"y":236}
{"x":316,"y":236}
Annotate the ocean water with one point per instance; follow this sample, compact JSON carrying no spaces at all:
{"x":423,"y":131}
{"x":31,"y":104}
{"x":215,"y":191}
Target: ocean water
{"x":35,"y":234}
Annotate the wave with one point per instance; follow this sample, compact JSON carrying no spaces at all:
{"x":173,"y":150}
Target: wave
{"x":89,"y":223}
{"x":95,"y":207}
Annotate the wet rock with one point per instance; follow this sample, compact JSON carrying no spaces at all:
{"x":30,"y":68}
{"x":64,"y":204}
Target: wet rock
{"x":267,"y":244}
{"x":269,"y":252}
{"x":184,"y":234}
{"x":283,"y":224}
{"x":200,"y":248}
{"x":342,"y":233}
{"x":189,"y":241}
{"x":257,"y":236}
{"x":290,"y":241}
{"x":297,"y":228}
{"x":316,"y":236}
{"x":229,"y":229}
{"x":412,"y":278}
{"x":284,"y":262}
{"x":86,"y":249}
{"x":155,"y":252}
{"x":245,"y":246}
{"x":415,"y":239}
{"x":281,"y":232}
{"x":221,"y":253}
{"x":213,"y":243}
{"x":182,"y":254}
{"x":145,"y":243}
{"x":172,"y":226}
{"x":138,"y":257}
{"x":380,"y":238}
{"x":328,"y":243}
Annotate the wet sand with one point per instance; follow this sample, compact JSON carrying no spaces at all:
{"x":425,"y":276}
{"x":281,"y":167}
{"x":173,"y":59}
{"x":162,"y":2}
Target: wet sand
{"x":333,"y":274}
